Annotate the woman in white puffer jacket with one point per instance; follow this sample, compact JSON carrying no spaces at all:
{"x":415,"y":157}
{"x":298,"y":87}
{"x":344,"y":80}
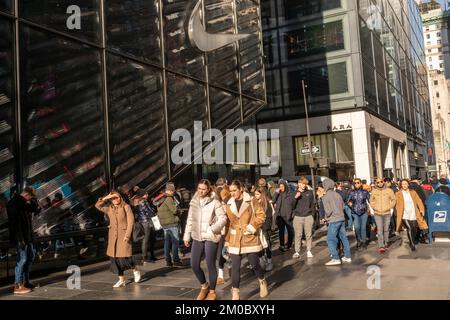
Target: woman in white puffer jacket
{"x":206,"y":218}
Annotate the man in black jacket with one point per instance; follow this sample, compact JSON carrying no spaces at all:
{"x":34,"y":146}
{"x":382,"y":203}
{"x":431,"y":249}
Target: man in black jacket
{"x":20,"y":209}
{"x":283,"y":211}
{"x":415,"y":185}
{"x":303,"y":212}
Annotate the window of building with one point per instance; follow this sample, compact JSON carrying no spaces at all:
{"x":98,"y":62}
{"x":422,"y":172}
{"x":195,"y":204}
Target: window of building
{"x":439,"y":106}
{"x":437,"y":94}
{"x":441,"y":65}
{"x":315,"y":39}
{"x":337,"y":147}
{"x":428,"y":43}
{"x":430,"y":67}
{"x":436,"y":82}
{"x":439,"y":42}
{"x":428,"y":36}
{"x":438,"y":34}
{"x":441,"y":58}
{"x":295,"y":9}
{"x":429,"y":50}
{"x":430,"y":59}
{"x":322,"y":81}
{"x":439,"y":49}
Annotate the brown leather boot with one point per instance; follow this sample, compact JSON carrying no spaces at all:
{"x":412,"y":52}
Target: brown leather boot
{"x":235,"y":294}
{"x":203,"y":293}
{"x":263,"y":291}
{"x":211,"y":296}
{"x":20,"y":289}
{"x":220,"y":281}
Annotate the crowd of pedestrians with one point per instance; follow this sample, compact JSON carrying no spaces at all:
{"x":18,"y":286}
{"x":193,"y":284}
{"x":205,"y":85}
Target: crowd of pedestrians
{"x":227,"y":223}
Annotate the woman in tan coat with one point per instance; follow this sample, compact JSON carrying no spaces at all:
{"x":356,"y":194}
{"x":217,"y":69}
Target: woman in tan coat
{"x":121,"y":222}
{"x":410,"y":213}
{"x":245,"y":223}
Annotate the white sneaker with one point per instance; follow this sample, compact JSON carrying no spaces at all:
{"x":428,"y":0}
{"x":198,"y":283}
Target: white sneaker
{"x":309,"y":254}
{"x":120,"y":283}
{"x":83,"y":251}
{"x":347,"y":260}
{"x":137,"y":276}
{"x":296,"y":255}
{"x":333,"y":262}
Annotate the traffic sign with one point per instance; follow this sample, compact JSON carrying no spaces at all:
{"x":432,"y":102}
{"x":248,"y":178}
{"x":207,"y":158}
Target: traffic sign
{"x":315,"y":149}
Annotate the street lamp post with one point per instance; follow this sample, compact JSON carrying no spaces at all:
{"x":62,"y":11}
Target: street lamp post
{"x":311,"y":159}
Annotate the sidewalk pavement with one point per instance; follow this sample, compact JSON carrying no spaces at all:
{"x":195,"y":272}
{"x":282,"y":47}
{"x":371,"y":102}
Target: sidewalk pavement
{"x":424,"y":274}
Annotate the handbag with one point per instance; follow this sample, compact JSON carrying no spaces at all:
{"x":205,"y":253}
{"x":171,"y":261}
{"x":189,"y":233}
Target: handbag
{"x":138,"y":232}
{"x":156,"y":223}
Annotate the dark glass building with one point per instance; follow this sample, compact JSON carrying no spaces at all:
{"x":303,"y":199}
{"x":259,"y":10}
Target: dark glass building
{"x":90,"y":95}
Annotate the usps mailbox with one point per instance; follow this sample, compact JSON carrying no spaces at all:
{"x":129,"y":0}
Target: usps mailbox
{"x":438,"y":212}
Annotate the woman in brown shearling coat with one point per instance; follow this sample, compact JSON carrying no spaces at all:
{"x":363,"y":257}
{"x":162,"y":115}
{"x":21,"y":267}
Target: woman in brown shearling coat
{"x":121,"y":220}
{"x":245,"y":223}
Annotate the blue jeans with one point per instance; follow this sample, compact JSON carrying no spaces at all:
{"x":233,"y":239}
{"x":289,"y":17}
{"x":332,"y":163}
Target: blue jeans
{"x":24,"y":259}
{"x":348,"y":213}
{"x":360,"y":227}
{"x":337,"y":230}
{"x":171,"y":241}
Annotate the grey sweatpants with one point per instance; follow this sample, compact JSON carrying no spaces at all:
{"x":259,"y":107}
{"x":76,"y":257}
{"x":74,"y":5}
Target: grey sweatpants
{"x":303,"y":224}
{"x":383,"y":229}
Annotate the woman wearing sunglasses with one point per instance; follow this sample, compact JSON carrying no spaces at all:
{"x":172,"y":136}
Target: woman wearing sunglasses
{"x":121,"y":222}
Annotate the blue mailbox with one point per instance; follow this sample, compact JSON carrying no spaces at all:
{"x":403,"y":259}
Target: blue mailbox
{"x":438,"y":212}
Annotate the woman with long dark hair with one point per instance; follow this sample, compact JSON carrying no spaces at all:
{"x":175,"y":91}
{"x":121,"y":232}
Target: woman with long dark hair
{"x":260,"y":199}
{"x":205,"y":221}
{"x":121,"y":220}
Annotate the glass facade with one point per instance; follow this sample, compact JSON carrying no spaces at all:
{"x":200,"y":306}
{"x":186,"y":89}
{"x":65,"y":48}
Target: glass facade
{"x":394,"y":65}
{"x":306,"y":40}
{"x":98,"y":104}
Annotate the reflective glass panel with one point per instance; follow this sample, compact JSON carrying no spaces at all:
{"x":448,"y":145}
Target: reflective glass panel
{"x":138,"y":126}
{"x":7,"y":123}
{"x":80,"y":19}
{"x":133,"y":27}
{"x":186,"y":103}
{"x":63,"y":133}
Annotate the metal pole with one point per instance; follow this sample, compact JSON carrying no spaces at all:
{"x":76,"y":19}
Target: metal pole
{"x":313,"y":183}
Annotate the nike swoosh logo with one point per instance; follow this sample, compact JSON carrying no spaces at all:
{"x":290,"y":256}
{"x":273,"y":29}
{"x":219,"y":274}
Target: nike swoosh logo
{"x":205,"y":41}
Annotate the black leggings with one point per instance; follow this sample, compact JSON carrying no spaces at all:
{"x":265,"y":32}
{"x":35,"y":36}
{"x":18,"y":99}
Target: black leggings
{"x":411,"y":229}
{"x":253,"y":259}
{"x":222,"y":260}
{"x":149,"y":241}
{"x":209,"y":250}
